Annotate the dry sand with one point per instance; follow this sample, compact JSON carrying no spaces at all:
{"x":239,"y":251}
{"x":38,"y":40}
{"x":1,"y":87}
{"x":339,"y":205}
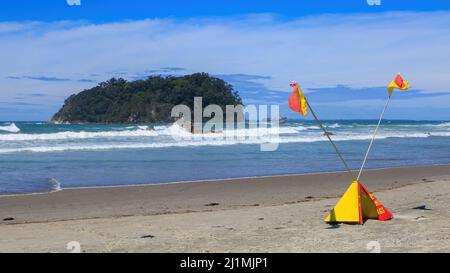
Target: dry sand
{"x":272,"y":214}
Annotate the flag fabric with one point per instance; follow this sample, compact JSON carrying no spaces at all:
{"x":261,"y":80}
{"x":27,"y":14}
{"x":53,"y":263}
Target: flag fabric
{"x":398,"y":83}
{"x":297,"y":101}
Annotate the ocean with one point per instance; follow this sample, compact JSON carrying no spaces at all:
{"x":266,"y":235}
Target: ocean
{"x":40,"y":157}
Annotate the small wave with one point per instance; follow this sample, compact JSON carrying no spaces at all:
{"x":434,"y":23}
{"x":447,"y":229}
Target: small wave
{"x":160,"y":127}
{"x":314,"y":127}
{"x":439,"y":134}
{"x":262,"y":131}
{"x":12,"y":128}
{"x":333,"y":126}
{"x":54,"y":185}
{"x":445,"y":124}
{"x":77,"y":135}
{"x":422,"y":125}
{"x":299,"y":128}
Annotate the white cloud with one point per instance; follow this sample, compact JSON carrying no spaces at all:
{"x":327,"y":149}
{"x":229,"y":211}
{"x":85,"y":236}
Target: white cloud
{"x":319,"y":51}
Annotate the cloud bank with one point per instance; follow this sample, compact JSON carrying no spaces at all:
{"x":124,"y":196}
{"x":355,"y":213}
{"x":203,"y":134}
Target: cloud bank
{"x":259,"y":53}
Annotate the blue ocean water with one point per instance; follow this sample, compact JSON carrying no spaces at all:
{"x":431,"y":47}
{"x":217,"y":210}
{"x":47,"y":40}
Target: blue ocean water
{"x":41,"y":157}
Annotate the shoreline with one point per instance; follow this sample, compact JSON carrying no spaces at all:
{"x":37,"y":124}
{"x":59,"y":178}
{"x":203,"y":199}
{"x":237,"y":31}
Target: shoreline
{"x":214,"y":180}
{"x":239,"y":178}
{"x":272,"y":214}
{"x":211,"y":195}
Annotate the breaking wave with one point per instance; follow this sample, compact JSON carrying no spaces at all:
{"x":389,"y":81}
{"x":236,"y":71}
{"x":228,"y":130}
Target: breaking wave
{"x":335,"y":125}
{"x":144,"y":131}
{"x":11,"y":128}
{"x":445,"y":124}
{"x":54,"y":185}
{"x":42,"y":139}
{"x":77,"y":135}
{"x":203,"y":140}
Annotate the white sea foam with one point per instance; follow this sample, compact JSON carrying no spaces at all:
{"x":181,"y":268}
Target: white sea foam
{"x":207,"y":140}
{"x":160,"y":127}
{"x":55,"y":185}
{"x":77,"y":135}
{"x":142,"y":131}
{"x":421,"y":125}
{"x":333,"y":126}
{"x":314,"y":127}
{"x":163,"y":136}
{"x":12,"y":128}
{"x":445,"y":124}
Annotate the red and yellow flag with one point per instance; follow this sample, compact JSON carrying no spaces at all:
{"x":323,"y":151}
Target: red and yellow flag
{"x":297,"y":101}
{"x":398,"y":83}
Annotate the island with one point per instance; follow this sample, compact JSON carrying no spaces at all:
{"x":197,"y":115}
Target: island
{"x":144,"y":101}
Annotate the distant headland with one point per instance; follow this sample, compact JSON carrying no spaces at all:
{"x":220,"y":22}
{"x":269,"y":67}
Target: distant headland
{"x":144,"y":101}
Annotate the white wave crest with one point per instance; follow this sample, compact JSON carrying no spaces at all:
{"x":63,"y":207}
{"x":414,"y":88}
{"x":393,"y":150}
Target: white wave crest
{"x":206,"y":140}
{"x":333,"y":126}
{"x":12,"y":128}
{"x":55,"y":185}
{"x":261,"y":131}
{"x":77,"y":135}
{"x":174,"y":130}
{"x":445,"y":124}
{"x":314,"y":127}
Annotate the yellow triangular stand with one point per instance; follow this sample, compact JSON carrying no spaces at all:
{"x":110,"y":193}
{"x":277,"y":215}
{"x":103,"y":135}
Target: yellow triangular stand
{"x":357,"y":204}
{"x":347,"y":209}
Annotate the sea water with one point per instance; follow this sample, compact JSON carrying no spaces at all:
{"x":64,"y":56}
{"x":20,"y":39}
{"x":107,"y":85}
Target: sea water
{"x":42,"y":157}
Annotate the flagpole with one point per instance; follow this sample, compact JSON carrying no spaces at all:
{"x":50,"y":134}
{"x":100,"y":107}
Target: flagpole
{"x":329,"y":138}
{"x":373,"y":138}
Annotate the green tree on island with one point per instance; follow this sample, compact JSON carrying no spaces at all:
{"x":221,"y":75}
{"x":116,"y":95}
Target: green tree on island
{"x":144,"y":101}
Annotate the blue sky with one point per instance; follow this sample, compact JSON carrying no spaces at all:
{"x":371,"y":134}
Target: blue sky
{"x":343,"y":53}
{"x":114,"y":10}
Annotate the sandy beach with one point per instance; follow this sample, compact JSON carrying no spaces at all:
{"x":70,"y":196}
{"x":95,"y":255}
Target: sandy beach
{"x":268,"y":214}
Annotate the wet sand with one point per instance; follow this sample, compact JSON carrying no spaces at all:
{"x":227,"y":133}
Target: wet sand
{"x":269,"y":214}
